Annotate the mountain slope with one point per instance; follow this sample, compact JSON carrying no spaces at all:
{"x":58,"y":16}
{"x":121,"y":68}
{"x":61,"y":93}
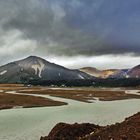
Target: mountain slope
{"x":34,"y":67}
{"x":109,"y":72}
{"x":91,"y":71}
{"x":134,"y":72}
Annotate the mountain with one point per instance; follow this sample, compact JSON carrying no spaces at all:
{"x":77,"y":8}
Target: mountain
{"x":134,"y":72}
{"x":120,"y":73}
{"x":91,"y":71}
{"x":36,"y":70}
{"x":109,"y":73}
{"x":127,"y":73}
{"x":33,"y":67}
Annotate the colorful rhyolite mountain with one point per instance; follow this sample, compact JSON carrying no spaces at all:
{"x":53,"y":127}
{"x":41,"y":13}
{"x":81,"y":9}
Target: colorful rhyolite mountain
{"x":113,"y":73}
{"x":99,"y":73}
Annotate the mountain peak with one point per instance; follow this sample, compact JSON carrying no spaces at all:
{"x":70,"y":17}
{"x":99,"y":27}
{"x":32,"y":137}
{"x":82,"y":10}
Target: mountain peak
{"x":33,"y":57}
{"x":138,"y":66}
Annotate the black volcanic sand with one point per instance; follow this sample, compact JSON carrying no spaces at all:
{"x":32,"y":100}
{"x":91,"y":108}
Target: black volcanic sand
{"x":127,"y":130}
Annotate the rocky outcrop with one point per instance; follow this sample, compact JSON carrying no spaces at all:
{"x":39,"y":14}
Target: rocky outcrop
{"x":76,"y":131}
{"x":127,"y":130}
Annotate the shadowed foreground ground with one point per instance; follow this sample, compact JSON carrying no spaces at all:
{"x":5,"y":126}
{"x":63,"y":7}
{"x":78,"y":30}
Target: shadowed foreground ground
{"x":127,"y":130}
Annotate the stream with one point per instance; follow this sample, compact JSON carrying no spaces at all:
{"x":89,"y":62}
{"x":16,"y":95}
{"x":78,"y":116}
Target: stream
{"x":32,"y":123}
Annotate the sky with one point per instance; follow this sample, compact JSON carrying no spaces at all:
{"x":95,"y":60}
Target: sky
{"x":73,"y":33}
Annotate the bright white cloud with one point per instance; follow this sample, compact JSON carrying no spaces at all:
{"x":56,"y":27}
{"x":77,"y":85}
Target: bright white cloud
{"x":78,"y":29}
{"x":100,"y":62}
{"x":13,"y":44}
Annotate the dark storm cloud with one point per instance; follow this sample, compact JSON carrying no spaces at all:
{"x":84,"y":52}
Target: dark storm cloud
{"x":70,"y":27}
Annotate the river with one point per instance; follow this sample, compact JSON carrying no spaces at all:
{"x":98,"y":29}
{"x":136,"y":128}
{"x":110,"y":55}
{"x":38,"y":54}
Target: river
{"x":31,"y":123}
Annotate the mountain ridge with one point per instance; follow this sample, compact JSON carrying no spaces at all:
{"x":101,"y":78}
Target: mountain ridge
{"x":37,"y":68}
{"x":113,"y":73}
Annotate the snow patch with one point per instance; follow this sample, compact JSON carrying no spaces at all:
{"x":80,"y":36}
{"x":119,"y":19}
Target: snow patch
{"x":21,"y":69}
{"x":38,"y":68}
{"x":35,"y":67}
{"x":80,"y":76}
{"x":3,"y":72}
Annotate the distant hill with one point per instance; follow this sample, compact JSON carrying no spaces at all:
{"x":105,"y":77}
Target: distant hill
{"x":108,"y":73}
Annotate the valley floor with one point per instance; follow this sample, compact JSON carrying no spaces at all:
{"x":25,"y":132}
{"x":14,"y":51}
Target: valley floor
{"x":97,"y":106}
{"x":89,"y":95}
{"x":86,"y":94}
{"x":10,"y":100}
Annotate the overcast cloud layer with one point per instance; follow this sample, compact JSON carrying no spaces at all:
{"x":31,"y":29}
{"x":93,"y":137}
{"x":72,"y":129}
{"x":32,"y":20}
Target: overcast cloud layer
{"x":68,"y":32}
